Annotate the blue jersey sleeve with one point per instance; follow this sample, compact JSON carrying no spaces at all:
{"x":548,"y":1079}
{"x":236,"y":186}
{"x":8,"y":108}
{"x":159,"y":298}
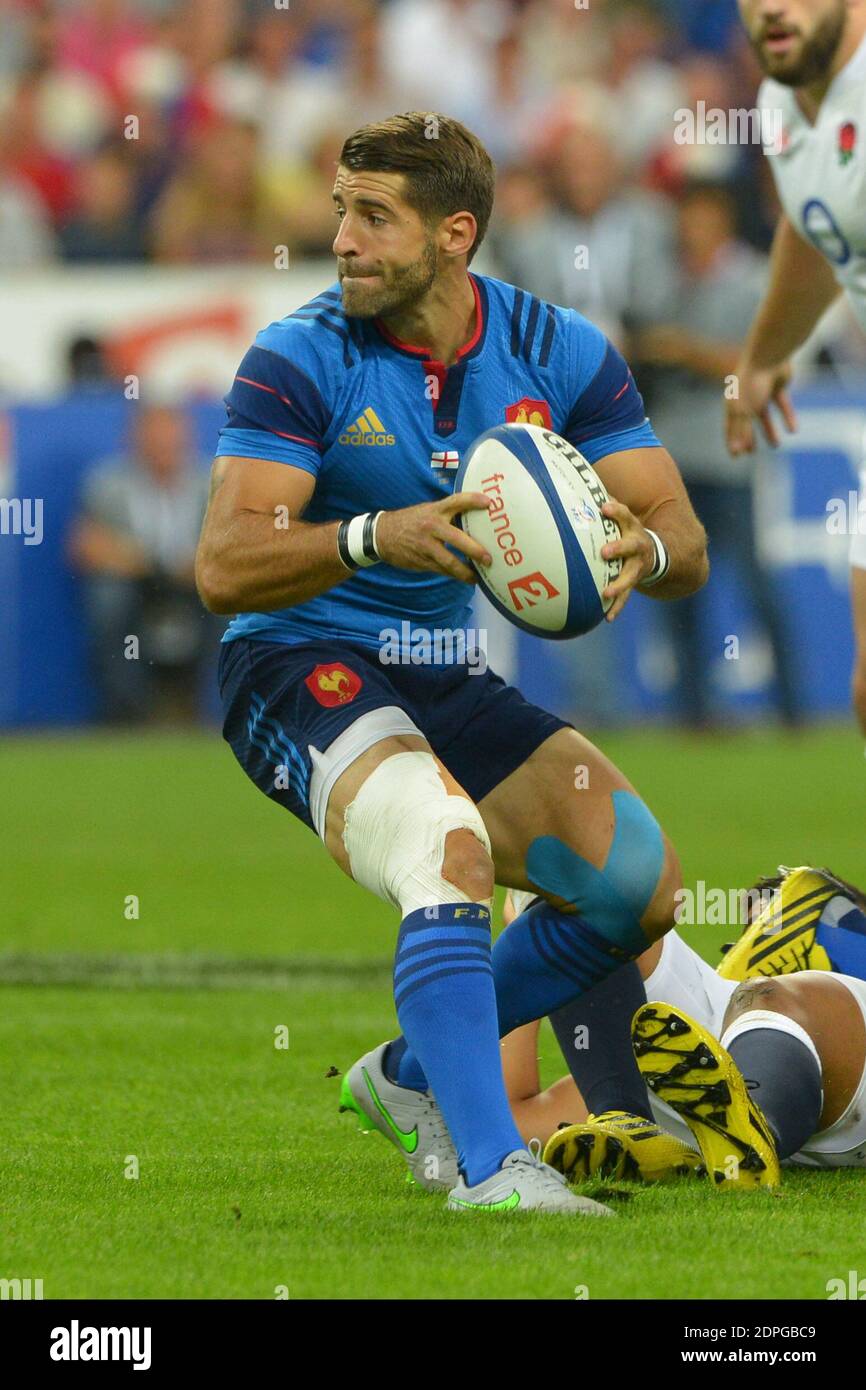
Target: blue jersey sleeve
{"x":275,"y":411}
{"x":607,"y":413}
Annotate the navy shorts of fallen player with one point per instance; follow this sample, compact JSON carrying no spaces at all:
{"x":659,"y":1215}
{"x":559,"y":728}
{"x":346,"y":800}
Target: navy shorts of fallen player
{"x":296,"y":715}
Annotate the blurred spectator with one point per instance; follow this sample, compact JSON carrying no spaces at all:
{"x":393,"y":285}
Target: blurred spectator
{"x":218,"y":207}
{"x":268,"y":85}
{"x":134,"y":543}
{"x":98,"y":37}
{"x":85,"y":357}
{"x":706,"y":25}
{"x":302,"y":196}
{"x":691,"y":354}
{"x":26,"y":238}
{"x":601,"y":247}
{"x":443,"y":51}
{"x":104,"y":226}
{"x":645,"y":86}
{"x":563,"y":44}
{"x":507,"y":122}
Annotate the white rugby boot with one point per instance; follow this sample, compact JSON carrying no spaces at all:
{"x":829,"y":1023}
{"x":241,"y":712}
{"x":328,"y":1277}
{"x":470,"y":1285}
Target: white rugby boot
{"x":411,"y":1120}
{"x":523,"y":1183}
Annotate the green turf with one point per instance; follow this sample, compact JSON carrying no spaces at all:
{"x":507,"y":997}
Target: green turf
{"x":155,"y":1038}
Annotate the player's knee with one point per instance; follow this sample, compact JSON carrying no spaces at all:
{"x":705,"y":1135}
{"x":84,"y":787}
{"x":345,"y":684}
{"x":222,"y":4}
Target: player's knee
{"x":661,"y":910}
{"x":772,"y":995}
{"x":468,"y":865}
{"x":396,"y":831}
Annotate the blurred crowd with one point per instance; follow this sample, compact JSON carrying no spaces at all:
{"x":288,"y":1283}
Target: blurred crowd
{"x":206,"y":131}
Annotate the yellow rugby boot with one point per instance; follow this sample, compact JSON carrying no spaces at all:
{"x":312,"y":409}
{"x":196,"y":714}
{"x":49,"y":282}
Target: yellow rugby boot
{"x":688,"y":1068}
{"x":618,"y":1145}
{"x":781,"y":938}
{"x":588,"y":1150}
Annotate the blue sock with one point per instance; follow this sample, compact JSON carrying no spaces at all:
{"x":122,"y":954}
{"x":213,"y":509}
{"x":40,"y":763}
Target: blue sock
{"x":842,"y":933}
{"x":446,"y":1005}
{"x":402,"y":1066}
{"x":785,"y":1081}
{"x":546,"y":958}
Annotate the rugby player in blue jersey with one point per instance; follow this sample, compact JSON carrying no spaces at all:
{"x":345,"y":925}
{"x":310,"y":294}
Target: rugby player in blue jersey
{"x":330,"y":523}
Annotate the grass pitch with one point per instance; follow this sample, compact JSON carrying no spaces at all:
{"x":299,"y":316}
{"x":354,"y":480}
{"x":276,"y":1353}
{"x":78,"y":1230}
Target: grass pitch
{"x":156,"y":1141}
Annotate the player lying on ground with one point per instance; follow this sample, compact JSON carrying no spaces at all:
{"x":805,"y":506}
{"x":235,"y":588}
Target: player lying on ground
{"x":330,"y":526}
{"x":813,"y":53}
{"x":771,"y":1013}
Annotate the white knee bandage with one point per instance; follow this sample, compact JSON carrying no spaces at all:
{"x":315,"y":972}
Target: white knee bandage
{"x":395,"y":829}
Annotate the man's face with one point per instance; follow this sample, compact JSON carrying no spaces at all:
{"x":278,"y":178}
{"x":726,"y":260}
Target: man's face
{"x":162,"y":441}
{"x":795,"y":41}
{"x":704,"y":227}
{"x":387,"y":258}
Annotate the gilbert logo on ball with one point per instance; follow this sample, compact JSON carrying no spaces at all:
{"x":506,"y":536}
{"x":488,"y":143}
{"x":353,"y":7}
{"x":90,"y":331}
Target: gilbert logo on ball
{"x":544,"y":529}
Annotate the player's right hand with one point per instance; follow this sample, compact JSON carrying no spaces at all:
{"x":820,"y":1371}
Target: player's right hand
{"x":415,"y":538}
{"x":758,"y":389}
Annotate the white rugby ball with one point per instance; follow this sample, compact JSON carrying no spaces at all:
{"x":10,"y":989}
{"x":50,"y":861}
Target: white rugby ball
{"x":544,"y":529}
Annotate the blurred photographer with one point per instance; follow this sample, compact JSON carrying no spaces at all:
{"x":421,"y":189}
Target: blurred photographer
{"x":134,"y":544}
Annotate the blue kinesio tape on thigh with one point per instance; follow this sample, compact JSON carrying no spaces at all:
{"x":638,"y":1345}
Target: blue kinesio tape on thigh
{"x":614,"y":898}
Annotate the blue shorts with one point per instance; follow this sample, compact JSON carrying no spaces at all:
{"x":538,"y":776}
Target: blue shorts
{"x":280,"y":699}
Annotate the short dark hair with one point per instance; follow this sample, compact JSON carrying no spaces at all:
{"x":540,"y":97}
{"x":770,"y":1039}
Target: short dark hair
{"x":447,"y":168}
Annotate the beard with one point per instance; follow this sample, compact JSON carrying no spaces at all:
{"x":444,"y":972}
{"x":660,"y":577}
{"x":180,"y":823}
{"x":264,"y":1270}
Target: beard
{"x":815,"y":56}
{"x":396,"y":289}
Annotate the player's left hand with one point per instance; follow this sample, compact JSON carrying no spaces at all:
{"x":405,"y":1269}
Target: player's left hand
{"x":636,"y":550}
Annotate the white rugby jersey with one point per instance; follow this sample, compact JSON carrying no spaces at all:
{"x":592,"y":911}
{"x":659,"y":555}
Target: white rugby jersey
{"x":820,"y":170}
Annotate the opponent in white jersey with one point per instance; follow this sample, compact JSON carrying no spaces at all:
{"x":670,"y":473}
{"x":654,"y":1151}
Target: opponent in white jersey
{"x":822,"y":1011}
{"x":813,"y":53}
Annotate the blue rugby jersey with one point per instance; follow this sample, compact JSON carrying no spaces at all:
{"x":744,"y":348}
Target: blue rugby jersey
{"x":382,"y":426}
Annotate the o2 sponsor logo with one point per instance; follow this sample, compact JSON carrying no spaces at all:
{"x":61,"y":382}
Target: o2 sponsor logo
{"x":823,"y":231}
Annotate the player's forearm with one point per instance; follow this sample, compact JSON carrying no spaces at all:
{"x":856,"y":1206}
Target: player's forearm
{"x":802,"y":285}
{"x":255,"y":565}
{"x":685,"y":541}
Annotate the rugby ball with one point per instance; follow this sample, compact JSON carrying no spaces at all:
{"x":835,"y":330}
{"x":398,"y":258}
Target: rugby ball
{"x":544,"y":529}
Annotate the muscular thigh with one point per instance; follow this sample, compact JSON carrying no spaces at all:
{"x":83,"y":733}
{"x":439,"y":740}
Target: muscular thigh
{"x":565,"y":790}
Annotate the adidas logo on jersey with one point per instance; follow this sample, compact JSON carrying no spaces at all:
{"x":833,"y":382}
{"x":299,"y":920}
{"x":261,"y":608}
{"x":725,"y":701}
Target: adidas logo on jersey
{"x":367,"y":429}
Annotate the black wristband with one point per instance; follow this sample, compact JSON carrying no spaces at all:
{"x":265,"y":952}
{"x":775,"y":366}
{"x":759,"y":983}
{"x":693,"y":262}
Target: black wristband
{"x":367,"y":542}
{"x":343,"y":547}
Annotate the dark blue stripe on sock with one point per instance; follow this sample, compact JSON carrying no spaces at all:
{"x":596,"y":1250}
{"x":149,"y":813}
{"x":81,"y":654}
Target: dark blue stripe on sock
{"x":432,"y":933}
{"x":401,"y":995}
{"x":550,"y":958}
{"x":402,"y":972}
{"x":578,"y":946}
{"x":430,"y":947}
